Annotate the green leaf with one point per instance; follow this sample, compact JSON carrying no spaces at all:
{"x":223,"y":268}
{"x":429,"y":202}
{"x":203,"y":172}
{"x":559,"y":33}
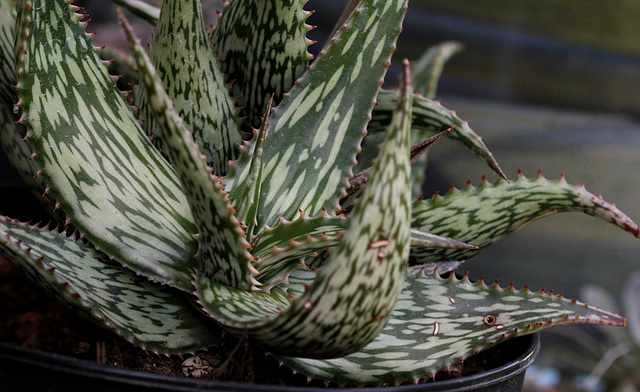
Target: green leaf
{"x":315,"y":132}
{"x":354,"y":292}
{"x":263,"y":49}
{"x":428,"y":68}
{"x":428,"y":117}
{"x":154,"y":317}
{"x":280,"y":249}
{"x":223,"y":249}
{"x":182,"y":55}
{"x":482,"y":215}
{"x":298,"y":230}
{"x":99,"y":165}
{"x":7,"y":39}
{"x":249,"y":204}
{"x":439,"y":322}
{"x":11,"y":134}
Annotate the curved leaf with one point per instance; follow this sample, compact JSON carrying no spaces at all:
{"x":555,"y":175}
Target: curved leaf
{"x":428,"y":68}
{"x":315,"y":132}
{"x":353,"y":294}
{"x":154,"y":317}
{"x":431,"y":117}
{"x":485,"y":214}
{"x":281,"y":249}
{"x":183,"y":58}
{"x":263,"y":49}
{"x":11,"y":134}
{"x":99,"y":165}
{"x":223,"y":250}
{"x":439,"y":322}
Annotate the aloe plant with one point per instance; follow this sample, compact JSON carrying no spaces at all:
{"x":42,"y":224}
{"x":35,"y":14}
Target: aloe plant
{"x":278,"y":215}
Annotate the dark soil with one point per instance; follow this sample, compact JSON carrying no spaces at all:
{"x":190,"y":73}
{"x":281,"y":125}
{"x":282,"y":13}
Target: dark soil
{"x":29,"y":318}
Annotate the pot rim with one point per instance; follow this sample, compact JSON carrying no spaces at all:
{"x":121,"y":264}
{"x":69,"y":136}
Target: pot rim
{"x":71,"y":365}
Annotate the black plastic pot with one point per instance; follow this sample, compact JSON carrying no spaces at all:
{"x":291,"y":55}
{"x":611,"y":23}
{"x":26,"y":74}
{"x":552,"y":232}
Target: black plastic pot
{"x":30,"y":370}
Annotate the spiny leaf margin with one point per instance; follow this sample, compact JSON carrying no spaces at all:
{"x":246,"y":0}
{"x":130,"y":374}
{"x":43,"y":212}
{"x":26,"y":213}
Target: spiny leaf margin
{"x":99,"y":166}
{"x":152,"y":316}
{"x":438,"y":322}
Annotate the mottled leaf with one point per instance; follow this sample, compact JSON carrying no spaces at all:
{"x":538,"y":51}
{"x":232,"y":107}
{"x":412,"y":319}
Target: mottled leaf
{"x":98,"y":163}
{"x":249,"y":204}
{"x":280,"y":249}
{"x":482,"y":215}
{"x":315,"y":132}
{"x":222,"y":249}
{"x":298,"y":230}
{"x":154,"y":317}
{"x":182,"y":55}
{"x":428,"y":117}
{"x":439,"y":322}
{"x":263,"y":49}
{"x":354,"y":292}
{"x":11,"y":134}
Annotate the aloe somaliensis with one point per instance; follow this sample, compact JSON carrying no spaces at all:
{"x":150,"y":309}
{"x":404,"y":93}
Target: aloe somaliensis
{"x":238,"y":224}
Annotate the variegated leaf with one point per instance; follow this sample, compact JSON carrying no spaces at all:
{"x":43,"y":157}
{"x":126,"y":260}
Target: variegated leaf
{"x":298,"y":230}
{"x":263,"y":49}
{"x":11,"y":134}
{"x":315,"y":132}
{"x":154,"y":317}
{"x":182,"y":55}
{"x":482,"y":215}
{"x":18,"y":152}
{"x":439,"y":322}
{"x":99,"y":165}
{"x":222,"y":247}
{"x":354,"y":292}
{"x":428,"y":68}
{"x":281,"y":249}
{"x":249,"y":204}
{"x":7,"y":39}
{"x":428,"y":116}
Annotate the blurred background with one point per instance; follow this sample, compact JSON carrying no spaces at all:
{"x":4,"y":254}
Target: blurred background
{"x":551,"y":84}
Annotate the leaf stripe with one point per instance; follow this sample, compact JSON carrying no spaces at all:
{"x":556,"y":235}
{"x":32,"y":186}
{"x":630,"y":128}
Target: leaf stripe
{"x":222,"y":249}
{"x":337,"y":114}
{"x":152,"y":316}
{"x":413,"y":347}
{"x":98,"y":162}
{"x":482,"y":215}
{"x":182,"y":54}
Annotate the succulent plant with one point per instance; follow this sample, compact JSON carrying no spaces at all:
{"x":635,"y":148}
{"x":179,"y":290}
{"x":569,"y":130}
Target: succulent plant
{"x":602,"y":359}
{"x":289,"y":221}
